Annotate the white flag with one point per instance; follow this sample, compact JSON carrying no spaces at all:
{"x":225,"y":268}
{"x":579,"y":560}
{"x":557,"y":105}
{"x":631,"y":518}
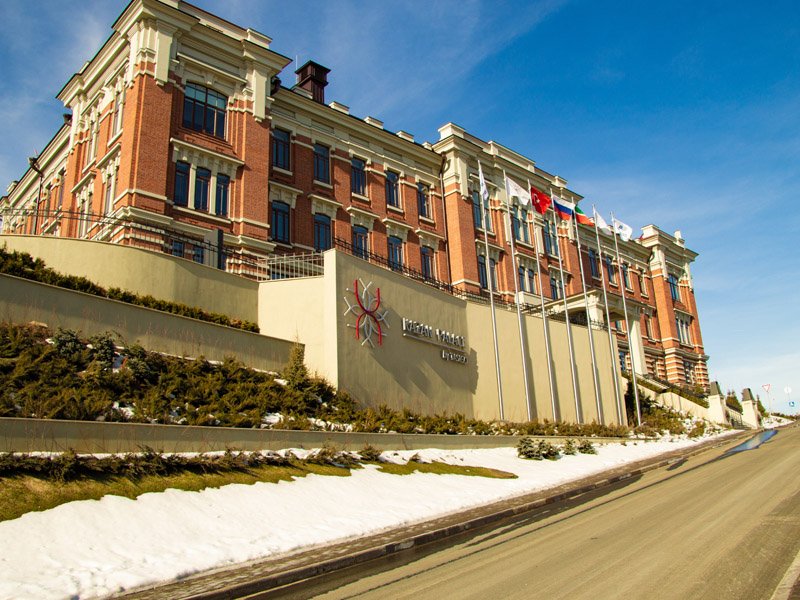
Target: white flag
{"x":624,"y":231}
{"x":600,"y":222}
{"x":484,"y":189}
{"x":515,"y":190}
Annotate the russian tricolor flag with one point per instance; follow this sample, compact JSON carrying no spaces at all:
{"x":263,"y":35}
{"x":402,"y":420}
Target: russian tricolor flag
{"x":564,"y":208}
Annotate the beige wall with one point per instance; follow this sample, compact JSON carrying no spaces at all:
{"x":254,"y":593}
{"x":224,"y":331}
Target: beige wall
{"x":293,"y":309}
{"x":22,"y":301}
{"x":144,"y":272}
{"x":407,"y":372}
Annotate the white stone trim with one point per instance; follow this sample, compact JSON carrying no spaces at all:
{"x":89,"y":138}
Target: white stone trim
{"x":361,"y":217}
{"x":396,"y":228}
{"x":324,"y":206}
{"x":283,"y":193}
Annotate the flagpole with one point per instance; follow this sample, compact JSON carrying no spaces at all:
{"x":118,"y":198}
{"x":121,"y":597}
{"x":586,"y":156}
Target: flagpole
{"x":608,"y":319}
{"x":544,"y":322}
{"x":589,"y":324}
{"x":522,"y":348}
{"x":627,"y":326}
{"x":490,"y":280}
{"x":569,"y":328}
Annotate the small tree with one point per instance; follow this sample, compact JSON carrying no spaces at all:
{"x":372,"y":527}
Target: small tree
{"x":296,"y":373}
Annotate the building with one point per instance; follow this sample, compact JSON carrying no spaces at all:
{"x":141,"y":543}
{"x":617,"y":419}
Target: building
{"x":180,"y":138}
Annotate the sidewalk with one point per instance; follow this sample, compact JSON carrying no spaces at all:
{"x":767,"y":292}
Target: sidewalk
{"x":249,"y":578}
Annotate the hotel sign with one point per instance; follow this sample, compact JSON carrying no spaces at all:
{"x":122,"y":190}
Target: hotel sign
{"x":453,"y":346}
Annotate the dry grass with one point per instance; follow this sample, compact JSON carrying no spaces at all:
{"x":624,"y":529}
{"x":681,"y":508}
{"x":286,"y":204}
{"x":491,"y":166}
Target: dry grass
{"x":23,"y":493}
{"x":440,"y":468}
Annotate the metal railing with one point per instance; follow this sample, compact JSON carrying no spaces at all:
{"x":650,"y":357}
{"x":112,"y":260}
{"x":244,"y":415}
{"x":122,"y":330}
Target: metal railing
{"x":129,"y":232}
{"x":291,"y":266}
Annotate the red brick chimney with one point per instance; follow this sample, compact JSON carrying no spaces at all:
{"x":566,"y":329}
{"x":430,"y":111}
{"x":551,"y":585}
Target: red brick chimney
{"x":313,"y":77}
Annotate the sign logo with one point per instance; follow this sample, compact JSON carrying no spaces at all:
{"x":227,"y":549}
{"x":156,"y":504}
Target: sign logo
{"x":370,"y":319}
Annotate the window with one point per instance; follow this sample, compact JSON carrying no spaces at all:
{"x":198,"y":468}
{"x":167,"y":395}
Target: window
{"x":109,"y":192}
{"x":682,"y":324}
{"x":424,"y":201}
{"x":648,"y":327}
{"x":550,"y":238}
{"x":395,"y":248}
{"x":199,"y":254}
{"x":116,"y":120}
{"x":177,"y":248}
{"x":223,"y":182}
{"x":281,"y":149}
{"x":322,"y":163}
{"x":531,"y":282}
{"x":392,"y":189}
{"x":640,"y":282}
{"x":280,"y":222}
{"x":688,"y":372}
{"x":594,"y":263}
{"x":358,"y":176}
{"x":476,"y":213}
{"x":625,"y":278}
{"x":519,"y":224}
{"x":674,"y":292}
{"x":202,"y":182}
{"x":322,"y":232}
{"x":556,"y":289}
{"x":181,"y":193}
{"x":482,"y":278}
{"x":623,"y":360}
{"x":521,"y":279}
{"x":611,"y":272}
{"x":61,"y":183}
{"x":360,"y":241}
{"x":204,"y":110}
{"x":428,"y":268}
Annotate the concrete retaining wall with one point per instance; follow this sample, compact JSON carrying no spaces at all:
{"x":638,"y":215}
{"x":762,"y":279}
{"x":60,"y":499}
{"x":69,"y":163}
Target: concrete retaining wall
{"x":23,"y":301}
{"x":44,"y":435}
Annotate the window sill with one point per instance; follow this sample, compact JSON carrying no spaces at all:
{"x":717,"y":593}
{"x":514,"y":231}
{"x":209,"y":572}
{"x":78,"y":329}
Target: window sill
{"x":286,"y":172}
{"x":395,"y":209}
{"x":427,"y":221}
{"x":202,"y":213}
{"x":359,"y":197}
{"x":112,"y":140}
{"x":281,"y":244}
{"x":323,"y":184}
{"x":524,"y":244}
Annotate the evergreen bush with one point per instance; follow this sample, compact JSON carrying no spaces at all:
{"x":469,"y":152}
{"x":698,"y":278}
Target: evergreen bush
{"x":537,"y":449}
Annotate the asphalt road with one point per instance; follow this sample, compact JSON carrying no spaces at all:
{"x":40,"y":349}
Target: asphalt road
{"x":712,"y":526}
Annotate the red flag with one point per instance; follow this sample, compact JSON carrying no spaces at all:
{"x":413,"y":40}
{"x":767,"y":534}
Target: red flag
{"x":541,"y":201}
{"x":583,"y":219}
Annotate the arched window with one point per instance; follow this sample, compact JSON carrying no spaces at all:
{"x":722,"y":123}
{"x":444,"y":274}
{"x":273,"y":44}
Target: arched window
{"x":204,"y":110}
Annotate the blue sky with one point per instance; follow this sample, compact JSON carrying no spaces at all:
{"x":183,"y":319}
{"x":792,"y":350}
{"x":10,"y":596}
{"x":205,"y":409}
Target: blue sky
{"x":682,"y":114}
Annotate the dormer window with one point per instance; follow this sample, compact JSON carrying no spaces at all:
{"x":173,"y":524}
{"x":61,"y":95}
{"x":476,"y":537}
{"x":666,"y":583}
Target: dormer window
{"x":204,"y":110}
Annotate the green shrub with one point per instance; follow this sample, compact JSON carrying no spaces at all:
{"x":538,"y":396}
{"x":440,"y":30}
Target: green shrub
{"x":586,"y":447}
{"x":370,"y":453}
{"x":536,"y":449}
{"x":569,"y":448}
